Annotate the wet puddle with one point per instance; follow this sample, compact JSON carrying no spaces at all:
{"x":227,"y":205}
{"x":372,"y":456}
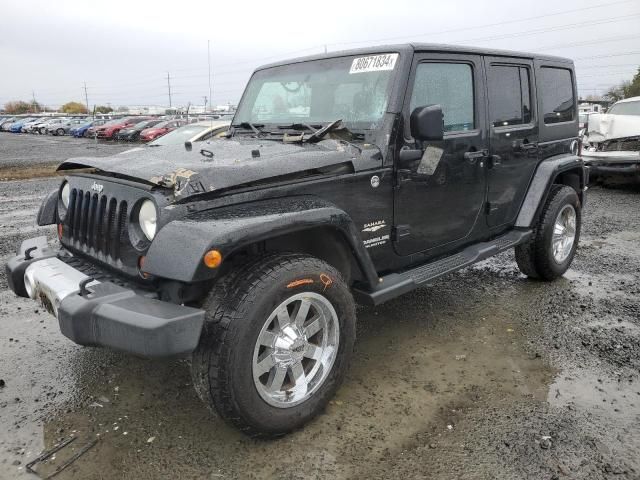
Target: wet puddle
{"x":617,"y":398}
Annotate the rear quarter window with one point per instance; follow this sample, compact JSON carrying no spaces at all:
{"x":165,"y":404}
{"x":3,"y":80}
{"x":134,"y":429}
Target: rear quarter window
{"x":556,"y":90}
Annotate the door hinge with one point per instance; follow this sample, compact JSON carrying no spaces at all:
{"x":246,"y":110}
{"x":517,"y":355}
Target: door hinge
{"x":402,"y":176}
{"x":493,"y":161}
{"x":491,"y":207}
{"x":400,"y":231}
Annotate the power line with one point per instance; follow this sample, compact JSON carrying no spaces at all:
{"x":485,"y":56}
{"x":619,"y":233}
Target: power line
{"x":486,"y":25}
{"x":604,"y":74}
{"x":590,"y":42}
{"x":552,"y":29}
{"x":589,"y":67}
{"x":608,"y":55}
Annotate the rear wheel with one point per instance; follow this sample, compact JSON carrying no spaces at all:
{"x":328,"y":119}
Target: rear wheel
{"x":276,"y":343}
{"x":550,"y":251}
{"x":60,"y":131}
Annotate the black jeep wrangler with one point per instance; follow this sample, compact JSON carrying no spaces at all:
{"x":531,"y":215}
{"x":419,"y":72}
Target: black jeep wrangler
{"x":353,"y":176}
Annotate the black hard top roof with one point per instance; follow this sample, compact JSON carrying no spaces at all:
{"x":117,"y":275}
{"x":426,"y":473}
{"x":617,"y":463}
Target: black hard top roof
{"x":420,"y":47}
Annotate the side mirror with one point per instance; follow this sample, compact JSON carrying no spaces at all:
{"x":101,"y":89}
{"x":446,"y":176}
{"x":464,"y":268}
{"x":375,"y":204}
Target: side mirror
{"x":427,"y":123}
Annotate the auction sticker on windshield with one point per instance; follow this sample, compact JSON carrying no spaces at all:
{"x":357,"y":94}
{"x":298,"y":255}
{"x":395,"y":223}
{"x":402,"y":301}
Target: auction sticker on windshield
{"x":374,"y":63}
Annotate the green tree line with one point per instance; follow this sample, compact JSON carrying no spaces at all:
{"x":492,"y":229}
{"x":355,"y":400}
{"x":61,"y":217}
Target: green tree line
{"x":628,"y":88}
{"x":19,"y":107}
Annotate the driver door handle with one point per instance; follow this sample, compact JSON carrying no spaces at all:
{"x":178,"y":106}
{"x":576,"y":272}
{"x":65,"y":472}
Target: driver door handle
{"x":524,"y":146}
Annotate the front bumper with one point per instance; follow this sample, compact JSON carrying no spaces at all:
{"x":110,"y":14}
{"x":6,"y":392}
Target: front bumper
{"x":626,"y":163}
{"x":103,"y":313}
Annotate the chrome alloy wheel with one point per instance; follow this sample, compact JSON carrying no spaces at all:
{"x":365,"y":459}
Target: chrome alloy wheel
{"x":564,"y":233}
{"x":295,"y":349}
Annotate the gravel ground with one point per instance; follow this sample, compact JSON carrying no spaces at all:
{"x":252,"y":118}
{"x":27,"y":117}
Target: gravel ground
{"x":29,"y":156}
{"x":482,"y":375}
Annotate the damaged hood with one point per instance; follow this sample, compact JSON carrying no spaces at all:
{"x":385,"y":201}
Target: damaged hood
{"x":225,"y":163}
{"x":603,"y":127}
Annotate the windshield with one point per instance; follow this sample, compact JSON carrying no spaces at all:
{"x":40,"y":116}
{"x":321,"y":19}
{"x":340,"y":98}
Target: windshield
{"x":161,"y":124}
{"x":143,"y":124}
{"x":625,"y":108}
{"x":180,"y":135}
{"x":353,"y":89}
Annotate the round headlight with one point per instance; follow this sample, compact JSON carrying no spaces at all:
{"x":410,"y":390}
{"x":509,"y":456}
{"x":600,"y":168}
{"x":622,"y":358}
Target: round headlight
{"x":64,"y":194}
{"x":147,"y":218}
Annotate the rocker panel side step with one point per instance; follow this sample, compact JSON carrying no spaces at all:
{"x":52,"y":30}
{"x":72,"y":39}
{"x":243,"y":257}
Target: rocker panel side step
{"x":396,"y":284}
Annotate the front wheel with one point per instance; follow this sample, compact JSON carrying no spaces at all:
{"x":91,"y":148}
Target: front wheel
{"x":550,"y":251}
{"x":276,"y":343}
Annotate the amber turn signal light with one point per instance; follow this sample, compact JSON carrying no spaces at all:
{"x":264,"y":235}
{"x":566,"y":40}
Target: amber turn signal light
{"x":141,"y":266}
{"x":213,"y":259}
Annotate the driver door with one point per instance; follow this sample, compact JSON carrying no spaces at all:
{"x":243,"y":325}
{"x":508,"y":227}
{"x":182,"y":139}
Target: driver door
{"x":439,"y":199}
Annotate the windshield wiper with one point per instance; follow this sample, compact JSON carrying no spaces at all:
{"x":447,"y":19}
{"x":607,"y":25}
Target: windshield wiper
{"x":317,"y":135}
{"x":300,"y":126}
{"x":254,"y":127}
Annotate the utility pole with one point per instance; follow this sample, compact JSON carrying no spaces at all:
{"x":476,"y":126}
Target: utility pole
{"x":35,"y":105}
{"x":86,"y":96}
{"x":169,"y":86}
{"x":205,"y":103}
{"x":209,"y":60}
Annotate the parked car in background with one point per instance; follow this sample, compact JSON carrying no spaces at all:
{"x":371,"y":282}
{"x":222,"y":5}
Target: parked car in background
{"x":109,"y":130}
{"x":590,"y":108}
{"x":79,"y":130}
{"x":42,"y":128}
{"x":612,"y":141}
{"x":34,"y":127}
{"x":160,"y":129}
{"x":16,"y":127}
{"x":194,"y":132}
{"x":4,"y":126}
{"x":133,"y":132}
{"x":92,"y":131}
{"x":27,"y":125}
{"x":63,"y":128}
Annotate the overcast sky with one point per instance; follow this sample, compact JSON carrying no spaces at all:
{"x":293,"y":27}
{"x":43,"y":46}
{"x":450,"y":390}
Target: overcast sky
{"x":124,"y":49}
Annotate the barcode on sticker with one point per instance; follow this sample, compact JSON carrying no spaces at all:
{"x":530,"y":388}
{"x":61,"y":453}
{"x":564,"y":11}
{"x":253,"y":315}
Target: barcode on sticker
{"x":374,"y":63}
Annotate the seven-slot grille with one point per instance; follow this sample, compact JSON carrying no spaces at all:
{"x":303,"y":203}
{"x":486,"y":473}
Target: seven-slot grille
{"x":96,"y":223}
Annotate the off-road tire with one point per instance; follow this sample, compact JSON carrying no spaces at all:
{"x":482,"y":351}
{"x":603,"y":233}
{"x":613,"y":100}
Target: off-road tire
{"x":237,"y":308}
{"x":535,"y":257}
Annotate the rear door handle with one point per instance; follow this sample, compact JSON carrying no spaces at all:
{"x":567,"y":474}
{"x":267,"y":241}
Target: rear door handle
{"x":476,"y":155}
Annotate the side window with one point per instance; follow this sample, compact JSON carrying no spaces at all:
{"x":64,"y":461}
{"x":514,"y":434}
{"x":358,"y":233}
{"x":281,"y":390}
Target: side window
{"x":449,"y":85}
{"x":509,"y":95}
{"x":558,"y":103}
